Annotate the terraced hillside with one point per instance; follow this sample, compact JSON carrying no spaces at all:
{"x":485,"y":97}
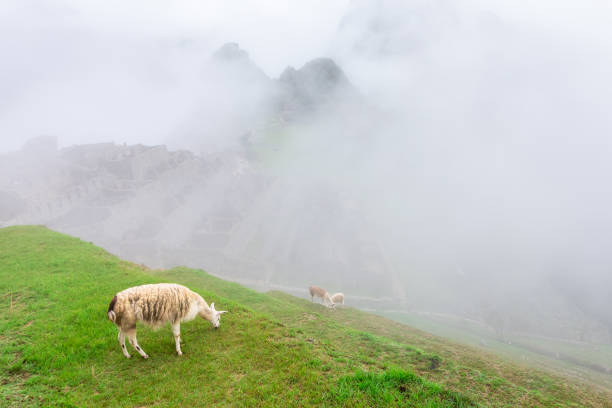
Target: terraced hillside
{"x":58,"y":348}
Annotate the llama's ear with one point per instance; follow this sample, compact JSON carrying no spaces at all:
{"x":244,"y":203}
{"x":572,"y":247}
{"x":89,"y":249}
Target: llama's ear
{"x":212,"y":305}
{"x":222,"y":311}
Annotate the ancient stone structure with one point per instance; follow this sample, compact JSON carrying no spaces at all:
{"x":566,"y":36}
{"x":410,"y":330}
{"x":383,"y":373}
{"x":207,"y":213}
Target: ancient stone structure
{"x":218,"y":212}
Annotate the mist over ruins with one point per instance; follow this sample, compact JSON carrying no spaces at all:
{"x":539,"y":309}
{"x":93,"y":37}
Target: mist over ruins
{"x":295,"y":190}
{"x":166,"y":208}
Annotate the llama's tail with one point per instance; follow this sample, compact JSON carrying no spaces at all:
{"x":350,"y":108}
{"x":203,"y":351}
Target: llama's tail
{"x":111,"y":313}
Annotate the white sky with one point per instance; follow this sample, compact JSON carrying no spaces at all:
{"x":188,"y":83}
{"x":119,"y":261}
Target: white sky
{"x":87,"y":70}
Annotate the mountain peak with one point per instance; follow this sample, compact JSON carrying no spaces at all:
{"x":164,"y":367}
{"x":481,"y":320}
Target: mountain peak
{"x":322,"y":73}
{"x":231,"y":51}
{"x":311,"y":86}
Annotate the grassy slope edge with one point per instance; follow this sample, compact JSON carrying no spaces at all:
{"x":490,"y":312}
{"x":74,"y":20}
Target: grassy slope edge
{"x":272,"y":349}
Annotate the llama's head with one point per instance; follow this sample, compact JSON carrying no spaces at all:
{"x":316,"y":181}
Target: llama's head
{"x":216,"y":315}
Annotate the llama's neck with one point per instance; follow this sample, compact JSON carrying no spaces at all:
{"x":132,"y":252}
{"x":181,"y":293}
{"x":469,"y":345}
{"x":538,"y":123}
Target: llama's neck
{"x":204,"y":311}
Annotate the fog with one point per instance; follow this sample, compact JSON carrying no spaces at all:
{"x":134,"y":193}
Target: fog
{"x":448,"y":157}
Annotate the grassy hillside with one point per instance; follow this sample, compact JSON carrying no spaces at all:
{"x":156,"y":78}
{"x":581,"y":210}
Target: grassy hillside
{"x":58,"y":348}
{"x":588,"y":361}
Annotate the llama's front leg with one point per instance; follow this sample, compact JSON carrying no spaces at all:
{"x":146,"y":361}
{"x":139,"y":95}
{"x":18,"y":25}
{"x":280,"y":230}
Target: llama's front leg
{"x":121,"y":338}
{"x":176,"y":330}
{"x":134,"y":343}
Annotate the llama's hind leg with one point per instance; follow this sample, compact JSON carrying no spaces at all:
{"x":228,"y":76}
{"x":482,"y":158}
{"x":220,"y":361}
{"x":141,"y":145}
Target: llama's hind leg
{"x":176,"y":330}
{"x":121,"y":338}
{"x":134,"y":342}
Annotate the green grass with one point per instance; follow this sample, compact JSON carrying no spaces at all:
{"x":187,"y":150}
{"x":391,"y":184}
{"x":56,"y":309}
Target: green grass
{"x":394,"y":387}
{"x":522,"y":348}
{"x":59,"y":349}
